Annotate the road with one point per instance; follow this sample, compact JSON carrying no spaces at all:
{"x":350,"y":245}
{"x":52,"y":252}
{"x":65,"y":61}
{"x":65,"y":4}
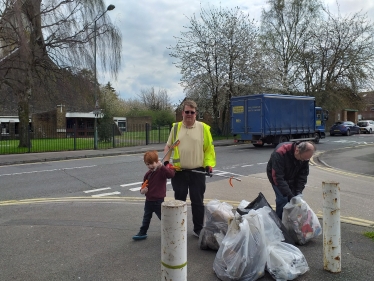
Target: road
{"x":59,"y":221}
{"x":122,"y":175}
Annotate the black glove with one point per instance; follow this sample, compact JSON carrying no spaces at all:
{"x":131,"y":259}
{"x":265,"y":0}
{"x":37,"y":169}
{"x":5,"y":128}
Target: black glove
{"x":209,"y":171}
{"x":166,"y":163}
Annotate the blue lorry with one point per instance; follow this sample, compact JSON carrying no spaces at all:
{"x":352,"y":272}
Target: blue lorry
{"x":275,"y":118}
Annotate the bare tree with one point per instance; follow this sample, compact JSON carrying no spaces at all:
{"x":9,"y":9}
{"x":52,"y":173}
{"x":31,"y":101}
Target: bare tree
{"x":38,"y":40}
{"x":285,"y":29}
{"x":216,"y":56}
{"x":338,"y":61}
{"x":155,"y":101}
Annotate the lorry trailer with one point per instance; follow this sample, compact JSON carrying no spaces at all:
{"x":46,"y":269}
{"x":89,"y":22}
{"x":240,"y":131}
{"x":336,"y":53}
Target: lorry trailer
{"x":275,"y":118}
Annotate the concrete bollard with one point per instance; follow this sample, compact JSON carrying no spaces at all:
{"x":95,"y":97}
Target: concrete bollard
{"x":331,"y":227}
{"x":174,"y":240}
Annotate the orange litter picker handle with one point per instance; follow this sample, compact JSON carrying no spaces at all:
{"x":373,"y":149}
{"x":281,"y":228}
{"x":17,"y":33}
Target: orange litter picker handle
{"x":145,"y":184}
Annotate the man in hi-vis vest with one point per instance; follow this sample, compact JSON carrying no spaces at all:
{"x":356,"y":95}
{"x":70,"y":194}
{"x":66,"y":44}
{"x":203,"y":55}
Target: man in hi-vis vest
{"x":195,"y":152}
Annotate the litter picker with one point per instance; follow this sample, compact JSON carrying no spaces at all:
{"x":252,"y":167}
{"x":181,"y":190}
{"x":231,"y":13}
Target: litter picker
{"x":230,"y":177}
{"x":175,"y":144}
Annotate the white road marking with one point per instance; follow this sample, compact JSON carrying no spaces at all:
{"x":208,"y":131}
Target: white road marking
{"x":52,"y":170}
{"x":106,"y":194}
{"x":225,"y":172}
{"x":138,"y":188}
{"x":247,"y":165}
{"x":96,"y":190}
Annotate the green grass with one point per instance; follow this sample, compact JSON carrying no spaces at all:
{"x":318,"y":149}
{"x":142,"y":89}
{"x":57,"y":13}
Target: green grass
{"x":65,"y":144}
{"x":369,"y":234}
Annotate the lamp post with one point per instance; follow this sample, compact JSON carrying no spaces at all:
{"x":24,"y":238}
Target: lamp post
{"x":96,"y":111}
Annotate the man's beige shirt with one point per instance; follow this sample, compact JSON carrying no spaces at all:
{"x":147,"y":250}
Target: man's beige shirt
{"x":191,"y":145}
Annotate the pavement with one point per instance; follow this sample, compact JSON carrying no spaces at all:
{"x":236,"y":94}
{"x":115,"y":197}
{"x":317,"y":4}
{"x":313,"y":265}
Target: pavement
{"x":90,"y":239}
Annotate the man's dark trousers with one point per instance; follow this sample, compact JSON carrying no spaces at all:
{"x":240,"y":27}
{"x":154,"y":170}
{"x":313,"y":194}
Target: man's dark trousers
{"x":188,"y":181}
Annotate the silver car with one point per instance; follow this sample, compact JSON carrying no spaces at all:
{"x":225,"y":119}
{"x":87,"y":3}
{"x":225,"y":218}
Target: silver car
{"x":366,"y":126}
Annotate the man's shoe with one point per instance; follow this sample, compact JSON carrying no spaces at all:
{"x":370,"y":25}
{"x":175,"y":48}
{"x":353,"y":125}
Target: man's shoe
{"x":196,"y":233}
{"x":139,"y":236}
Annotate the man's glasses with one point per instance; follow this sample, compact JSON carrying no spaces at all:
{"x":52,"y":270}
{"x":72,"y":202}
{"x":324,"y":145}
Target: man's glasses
{"x":189,"y":112}
{"x":302,"y":158}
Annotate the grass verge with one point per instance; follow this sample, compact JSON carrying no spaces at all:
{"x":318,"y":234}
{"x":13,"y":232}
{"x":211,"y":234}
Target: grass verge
{"x":369,"y":234}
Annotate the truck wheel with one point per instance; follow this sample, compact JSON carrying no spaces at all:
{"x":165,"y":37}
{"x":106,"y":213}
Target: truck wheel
{"x":282,"y":139}
{"x":316,"y":138}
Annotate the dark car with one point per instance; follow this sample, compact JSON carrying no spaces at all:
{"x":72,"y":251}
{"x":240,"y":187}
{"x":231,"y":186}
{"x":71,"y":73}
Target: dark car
{"x":344,"y":128}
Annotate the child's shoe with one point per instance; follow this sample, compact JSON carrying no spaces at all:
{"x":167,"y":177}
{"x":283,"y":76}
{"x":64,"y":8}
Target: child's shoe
{"x":140,"y":236}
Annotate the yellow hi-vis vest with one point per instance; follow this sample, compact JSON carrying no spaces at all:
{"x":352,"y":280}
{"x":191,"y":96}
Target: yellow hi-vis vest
{"x":208,"y":147}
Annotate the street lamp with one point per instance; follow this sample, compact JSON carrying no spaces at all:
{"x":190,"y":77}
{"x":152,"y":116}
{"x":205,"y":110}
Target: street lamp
{"x":109,"y":8}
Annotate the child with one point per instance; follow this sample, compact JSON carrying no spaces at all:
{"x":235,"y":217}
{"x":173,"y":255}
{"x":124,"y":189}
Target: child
{"x":154,"y":190}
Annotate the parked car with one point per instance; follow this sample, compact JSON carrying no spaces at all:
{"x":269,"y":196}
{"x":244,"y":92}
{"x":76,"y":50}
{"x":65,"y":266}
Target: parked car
{"x":344,"y":128}
{"x":366,"y":126}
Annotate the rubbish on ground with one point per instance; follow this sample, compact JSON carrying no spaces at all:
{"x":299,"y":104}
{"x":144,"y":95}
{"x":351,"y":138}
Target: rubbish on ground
{"x":259,"y":202}
{"x":253,"y":244}
{"x":300,"y":220}
{"x":242,"y":254}
{"x":217,"y":216}
{"x":285,"y":261}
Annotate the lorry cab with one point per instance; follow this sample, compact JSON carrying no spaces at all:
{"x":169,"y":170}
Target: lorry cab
{"x":322,"y":116}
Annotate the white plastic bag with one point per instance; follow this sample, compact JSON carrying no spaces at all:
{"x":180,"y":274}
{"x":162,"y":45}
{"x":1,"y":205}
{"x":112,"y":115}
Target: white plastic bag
{"x":300,"y":220}
{"x":243,"y":204}
{"x":242,"y":254}
{"x":285,"y":261}
{"x":271,"y":230}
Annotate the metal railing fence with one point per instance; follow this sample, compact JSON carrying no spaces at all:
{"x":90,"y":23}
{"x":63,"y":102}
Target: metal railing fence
{"x":49,"y":139}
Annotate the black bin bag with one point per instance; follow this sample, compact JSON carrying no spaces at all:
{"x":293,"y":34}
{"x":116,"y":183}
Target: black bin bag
{"x":260,"y":202}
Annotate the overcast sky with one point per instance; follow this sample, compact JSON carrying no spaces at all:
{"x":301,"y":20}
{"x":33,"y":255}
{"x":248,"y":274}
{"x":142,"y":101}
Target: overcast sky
{"x":148,"y":27}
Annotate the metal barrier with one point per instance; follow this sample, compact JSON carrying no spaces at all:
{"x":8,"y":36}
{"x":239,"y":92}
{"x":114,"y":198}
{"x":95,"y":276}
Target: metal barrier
{"x":48,"y":139}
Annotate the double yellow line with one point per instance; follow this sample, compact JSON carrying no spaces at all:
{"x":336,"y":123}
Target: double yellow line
{"x":117,"y":199}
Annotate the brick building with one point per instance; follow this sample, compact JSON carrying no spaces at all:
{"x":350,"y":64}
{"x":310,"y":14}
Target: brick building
{"x":61,"y":124}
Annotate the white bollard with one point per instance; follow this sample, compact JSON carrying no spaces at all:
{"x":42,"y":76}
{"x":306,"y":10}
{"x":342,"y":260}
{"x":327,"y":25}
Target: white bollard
{"x":331,"y":227}
{"x":174,"y":240}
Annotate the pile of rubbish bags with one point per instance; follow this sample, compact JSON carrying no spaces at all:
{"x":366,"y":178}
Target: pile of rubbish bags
{"x":253,"y":239}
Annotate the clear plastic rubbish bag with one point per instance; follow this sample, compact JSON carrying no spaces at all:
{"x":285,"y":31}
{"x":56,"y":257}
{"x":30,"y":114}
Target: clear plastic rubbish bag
{"x":242,"y":254}
{"x":271,"y":230}
{"x":217,"y":216}
{"x":300,"y":220}
{"x":259,"y":202}
{"x":285,"y":261}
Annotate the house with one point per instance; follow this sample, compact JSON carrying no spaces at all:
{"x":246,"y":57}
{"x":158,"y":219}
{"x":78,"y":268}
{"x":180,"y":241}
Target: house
{"x":9,"y":126}
{"x":58,"y":123}
{"x":368,"y":112}
{"x":352,"y":114}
